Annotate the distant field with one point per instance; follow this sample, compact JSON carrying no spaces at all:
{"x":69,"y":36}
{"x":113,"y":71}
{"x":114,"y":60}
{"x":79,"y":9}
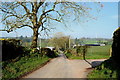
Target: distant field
{"x":92,"y":41}
{"x":96,"y":52}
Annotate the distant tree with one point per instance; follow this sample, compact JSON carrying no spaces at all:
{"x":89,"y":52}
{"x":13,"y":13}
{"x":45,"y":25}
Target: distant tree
{"x":26,"y":37}
{"x":76,"y":41}
{"x":60,"y":40}
{"x":21,"y":37}
{"x":37,"y":15}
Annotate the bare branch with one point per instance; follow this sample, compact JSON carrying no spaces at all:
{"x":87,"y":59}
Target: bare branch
{"x":47,"y":12}
{"x":54,"y":19}
{"x":43,"y":15}
{"x":8,"y":30}
{"x":11,"y":29}
{"x":40,"y":4}
{"x":20,"y":17}
{"x":35,"y":6}
{"x":24,"y":26}
{"x":32,"y":6}
{"x":26,"y":9}
{"x":5,"y":11}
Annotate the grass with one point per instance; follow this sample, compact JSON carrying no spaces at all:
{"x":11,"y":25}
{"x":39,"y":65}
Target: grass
{"x":98,"y":52}
{"x":107,"y":69}
{"x":104,"y":73}
{"x":24,"y":65}
{"x":95,"y":52}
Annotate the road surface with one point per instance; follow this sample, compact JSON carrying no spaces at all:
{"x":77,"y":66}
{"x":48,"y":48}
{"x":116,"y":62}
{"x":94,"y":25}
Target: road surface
{"x":61,"y":67}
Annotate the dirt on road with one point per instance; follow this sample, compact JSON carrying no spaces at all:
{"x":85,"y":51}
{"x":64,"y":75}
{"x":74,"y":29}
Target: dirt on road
{"x":63,"y":68}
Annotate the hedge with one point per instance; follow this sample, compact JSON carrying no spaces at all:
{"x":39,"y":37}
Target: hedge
{"x":11,"y":48}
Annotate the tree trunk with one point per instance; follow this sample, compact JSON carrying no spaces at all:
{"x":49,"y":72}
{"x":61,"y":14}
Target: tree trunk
{"x":35,"y":38}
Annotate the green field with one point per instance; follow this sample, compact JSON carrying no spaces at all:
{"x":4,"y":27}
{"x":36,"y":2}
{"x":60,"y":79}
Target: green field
{"x":95,"y":52}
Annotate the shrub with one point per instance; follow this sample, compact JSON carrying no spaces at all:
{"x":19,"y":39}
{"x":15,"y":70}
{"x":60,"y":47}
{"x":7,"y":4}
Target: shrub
{"x":108,"y":69}
{"x":11,"y":49}
{"x":48,"y":52}
{"x":116,"y":46}
{"x":69,"y":53}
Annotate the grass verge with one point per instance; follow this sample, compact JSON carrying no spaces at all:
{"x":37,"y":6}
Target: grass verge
{"x":108,"y":69}
{"x":26,"y":64}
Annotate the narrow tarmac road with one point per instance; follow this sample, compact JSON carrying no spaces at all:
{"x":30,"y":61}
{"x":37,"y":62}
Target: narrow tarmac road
{"x":62,"y":68}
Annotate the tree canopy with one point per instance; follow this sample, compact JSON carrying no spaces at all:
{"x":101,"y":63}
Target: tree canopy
{"x":38,"y":15}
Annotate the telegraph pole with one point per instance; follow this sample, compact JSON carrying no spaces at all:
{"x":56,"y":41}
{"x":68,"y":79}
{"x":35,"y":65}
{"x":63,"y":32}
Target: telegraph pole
{"x":69,"y":42}
{"x":40,"y":43}
{"x":65,"y":46}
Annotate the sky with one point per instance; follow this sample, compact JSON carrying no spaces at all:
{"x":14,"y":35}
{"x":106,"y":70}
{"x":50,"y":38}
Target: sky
{"x":103,"y":27}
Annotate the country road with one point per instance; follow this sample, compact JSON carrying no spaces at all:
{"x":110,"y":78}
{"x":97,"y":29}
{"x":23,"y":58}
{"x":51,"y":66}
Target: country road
{"x":62,"y":67}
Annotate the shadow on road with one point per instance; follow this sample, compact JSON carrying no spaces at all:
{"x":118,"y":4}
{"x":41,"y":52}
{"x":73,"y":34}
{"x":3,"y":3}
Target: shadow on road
{"x":96,"y":63}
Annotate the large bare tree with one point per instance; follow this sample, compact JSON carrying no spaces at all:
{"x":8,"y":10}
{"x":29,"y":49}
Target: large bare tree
{"x":37,"y":15}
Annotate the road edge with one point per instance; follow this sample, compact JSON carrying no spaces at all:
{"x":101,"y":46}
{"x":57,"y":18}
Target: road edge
{"x":29,"y":72}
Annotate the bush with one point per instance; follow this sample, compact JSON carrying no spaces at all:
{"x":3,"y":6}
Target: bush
{"x":34,"y":50}
{"x":69,"y":53}
{"x":108,"y":69}
{"x":78,"y":51}
{"x":48,"y":52}
{"x":81,"y":49}
{"x":11,"y":49}
{"x":116,"y":46}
